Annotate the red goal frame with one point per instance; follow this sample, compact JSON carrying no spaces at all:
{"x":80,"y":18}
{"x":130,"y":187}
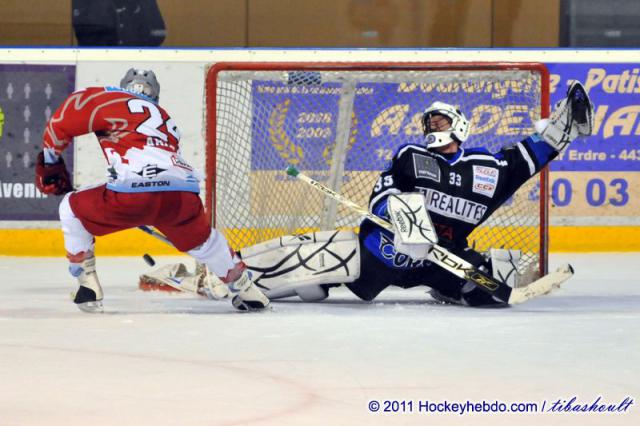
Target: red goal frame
{"x":211,"y":85}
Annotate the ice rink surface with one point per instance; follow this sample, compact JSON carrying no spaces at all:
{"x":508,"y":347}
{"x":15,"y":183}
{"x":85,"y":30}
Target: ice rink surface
{"x":167,"y":359}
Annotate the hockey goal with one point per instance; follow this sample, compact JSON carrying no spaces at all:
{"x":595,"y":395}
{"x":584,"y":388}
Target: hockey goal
{"x":340,"y":123}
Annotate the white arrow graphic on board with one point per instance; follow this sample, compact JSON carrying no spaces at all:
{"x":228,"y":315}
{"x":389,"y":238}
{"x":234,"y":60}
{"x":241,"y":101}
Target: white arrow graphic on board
{"x":27,"y":135}
{"x":9,"y":159}
{"x":48,"y":91}
{"x":27,"y":113}
{"x":27,"y":91}
{"x":10,"y":91}
{"x":47,"y":112}
{"x":26,"y":160}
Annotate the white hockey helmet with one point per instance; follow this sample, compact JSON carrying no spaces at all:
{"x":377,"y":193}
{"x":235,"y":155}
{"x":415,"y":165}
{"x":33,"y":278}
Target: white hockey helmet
{"x":143,"y":82}
{"x":459,"y":130}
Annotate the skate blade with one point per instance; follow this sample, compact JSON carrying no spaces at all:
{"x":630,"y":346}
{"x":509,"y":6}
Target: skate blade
{"x":249,"y":305}
{"x":91,"y":307}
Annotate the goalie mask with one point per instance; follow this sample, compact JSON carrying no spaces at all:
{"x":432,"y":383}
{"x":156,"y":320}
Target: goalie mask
{"x":142,"y":82}
{"x":457,"y":130}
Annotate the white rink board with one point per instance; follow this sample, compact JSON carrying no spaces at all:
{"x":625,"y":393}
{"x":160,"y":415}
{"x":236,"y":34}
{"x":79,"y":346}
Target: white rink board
{"x":161,"y":359}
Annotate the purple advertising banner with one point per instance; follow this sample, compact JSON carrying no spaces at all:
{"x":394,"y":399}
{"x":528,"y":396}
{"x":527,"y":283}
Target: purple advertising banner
{"x":592,"y":178}
{"x":615,"y":92}
{"x":597,"y":176}
{"x":385,"y":115}
{"x":29,"y":94}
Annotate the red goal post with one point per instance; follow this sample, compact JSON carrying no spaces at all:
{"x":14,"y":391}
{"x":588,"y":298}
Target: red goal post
{"x":339,"y":122}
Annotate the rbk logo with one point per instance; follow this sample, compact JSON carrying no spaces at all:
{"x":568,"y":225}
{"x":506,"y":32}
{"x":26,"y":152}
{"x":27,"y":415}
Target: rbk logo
{"x":483,"y":280}
{"x":150,"y":171}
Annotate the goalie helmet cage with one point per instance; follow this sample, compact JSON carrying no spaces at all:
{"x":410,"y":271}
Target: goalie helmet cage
{"x":340,"y":123}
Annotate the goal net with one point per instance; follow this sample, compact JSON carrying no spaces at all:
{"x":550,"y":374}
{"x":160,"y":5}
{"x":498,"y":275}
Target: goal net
{"x":340,"y":124}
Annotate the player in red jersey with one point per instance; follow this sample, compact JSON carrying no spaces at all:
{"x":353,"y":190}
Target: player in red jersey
{"x":149,"y":183}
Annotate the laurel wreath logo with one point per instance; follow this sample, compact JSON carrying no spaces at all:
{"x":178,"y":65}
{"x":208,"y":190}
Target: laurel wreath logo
{"x":287,"y":149}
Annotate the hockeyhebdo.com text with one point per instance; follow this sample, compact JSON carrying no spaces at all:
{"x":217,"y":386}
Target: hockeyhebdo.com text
{"x":572,"y":405}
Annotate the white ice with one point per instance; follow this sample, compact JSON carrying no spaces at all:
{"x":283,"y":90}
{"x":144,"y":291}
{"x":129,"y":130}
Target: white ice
{"x":167,"y":359}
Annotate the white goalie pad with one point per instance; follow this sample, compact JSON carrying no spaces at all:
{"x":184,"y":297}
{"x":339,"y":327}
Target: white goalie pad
{"x":283,"y":266}
{"x":414,"y":232}
{"x":505,"y":265}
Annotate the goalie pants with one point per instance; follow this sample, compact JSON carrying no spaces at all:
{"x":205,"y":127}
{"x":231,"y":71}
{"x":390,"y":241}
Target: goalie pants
{"x":375,"y":276}
{"x":177,"y":214}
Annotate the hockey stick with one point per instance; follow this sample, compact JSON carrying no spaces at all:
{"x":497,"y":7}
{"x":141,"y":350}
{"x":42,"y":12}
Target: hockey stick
{"x":149,"y":230}
{"x":449,"y":261}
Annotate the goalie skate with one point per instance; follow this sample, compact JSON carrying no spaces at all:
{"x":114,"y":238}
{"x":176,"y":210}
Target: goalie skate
{"x":177,"y":277}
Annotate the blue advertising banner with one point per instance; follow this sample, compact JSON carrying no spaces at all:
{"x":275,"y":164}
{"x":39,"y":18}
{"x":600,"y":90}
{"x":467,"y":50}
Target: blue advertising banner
{"x":597,"y":179}
{"x":29,"y":94}
{"x":615,"y":92}
{"x":302,"y":120}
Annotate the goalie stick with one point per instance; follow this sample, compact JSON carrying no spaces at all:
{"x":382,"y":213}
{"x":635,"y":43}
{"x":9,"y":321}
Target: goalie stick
{"x":452,"y":263}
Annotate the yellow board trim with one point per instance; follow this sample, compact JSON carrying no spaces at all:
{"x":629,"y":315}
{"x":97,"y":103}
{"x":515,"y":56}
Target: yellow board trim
{"x":49,"y":242}
{"x":594,"y":238}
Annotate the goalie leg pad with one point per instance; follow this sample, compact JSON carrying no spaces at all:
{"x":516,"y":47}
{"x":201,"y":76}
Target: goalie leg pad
{"x":504,"y":265}
{"x":283,"y":266}
{"x":312,"y":293}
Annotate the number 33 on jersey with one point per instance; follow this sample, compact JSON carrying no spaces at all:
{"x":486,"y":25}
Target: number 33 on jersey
{"x":137,"y":136}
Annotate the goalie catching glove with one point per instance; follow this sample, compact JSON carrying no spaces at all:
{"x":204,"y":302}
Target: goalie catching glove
{"x":572,"y":117}
{"x":414,"y":232}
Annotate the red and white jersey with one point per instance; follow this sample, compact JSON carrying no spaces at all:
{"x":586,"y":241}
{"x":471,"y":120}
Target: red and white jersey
{"x":138,"y":138}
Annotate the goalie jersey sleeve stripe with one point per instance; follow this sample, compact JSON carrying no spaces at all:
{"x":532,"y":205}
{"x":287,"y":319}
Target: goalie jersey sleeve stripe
{"x":541,"y":151}
{"x":527,"y":158}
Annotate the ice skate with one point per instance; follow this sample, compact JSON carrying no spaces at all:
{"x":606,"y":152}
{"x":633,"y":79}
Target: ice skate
{"x":88,"y":296}
{"x":247,"y":297}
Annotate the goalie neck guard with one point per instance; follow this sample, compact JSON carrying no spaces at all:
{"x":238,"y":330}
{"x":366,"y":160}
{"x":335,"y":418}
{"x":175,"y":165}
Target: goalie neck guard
{"x":458,"y":131}
{"x":142,"y":82}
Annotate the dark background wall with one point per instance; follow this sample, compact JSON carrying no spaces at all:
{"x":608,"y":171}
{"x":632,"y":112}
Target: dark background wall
{"x":273,"y":23}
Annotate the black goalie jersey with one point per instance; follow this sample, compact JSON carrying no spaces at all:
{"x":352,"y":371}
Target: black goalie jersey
{"x":462,"y":190}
